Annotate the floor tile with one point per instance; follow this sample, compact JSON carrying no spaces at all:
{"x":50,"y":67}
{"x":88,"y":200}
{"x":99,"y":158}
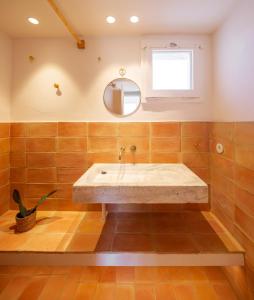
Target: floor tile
{"x":105,"y":243}
{"x":209,"y":243}
{"x":145,"y":292}
{"x":132,"y":242}
{"x":198,"y":274}
{"x":92,"y":226}
{"x":174,"y":243}
{"x":166,"y":226}
{"x":215,"y":274}
{"x":165,"y":291}
{"x":133,"y":226}
{"x":15,"y":288}
{"x":64,"y":243}
{"x":108,"y":275}
{"x":4,"y":280}
{"x":199,"y":226}
{"x":185,"y":291}
{"x":180,"y":273}
{"x":163,"y":274}
{"x":70,"y":288}
{"x":125,"y":274}
{"x":10,"y":214}
{"x":205,"y":291}
{"x":145,"y":274}
{"x":85,"y":291}
{"x":34,"y":288}
{"x":93,"y":215}
{"x":81,"y":242}
{"x":90,"y":274}
{"x":12,"y":241}
{"x":124,"y":292}
{"x":45,"y":242}
{"x":105,"y":292}
{"x":224,"y":291}
{"x":53,"y":289}
{"x":7,"y":225}
{"x":58,"y":225}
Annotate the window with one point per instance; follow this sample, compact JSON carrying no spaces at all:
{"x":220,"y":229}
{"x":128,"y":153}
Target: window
{"x":172,"y":70}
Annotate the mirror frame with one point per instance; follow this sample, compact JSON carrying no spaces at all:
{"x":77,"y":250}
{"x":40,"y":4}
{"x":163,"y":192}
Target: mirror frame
{"x":117,"y":115}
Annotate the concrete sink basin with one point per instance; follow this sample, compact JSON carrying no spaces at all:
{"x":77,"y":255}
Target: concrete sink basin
{"x":140,"y":183}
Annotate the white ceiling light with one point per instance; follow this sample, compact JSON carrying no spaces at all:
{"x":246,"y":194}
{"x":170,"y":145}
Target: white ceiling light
{"x":134,"y":19}
{"x":110,"y":19}
{"x":33,"y":21}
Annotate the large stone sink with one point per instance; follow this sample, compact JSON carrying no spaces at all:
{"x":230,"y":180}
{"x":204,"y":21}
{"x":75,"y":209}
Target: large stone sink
{"x":140,"y":183}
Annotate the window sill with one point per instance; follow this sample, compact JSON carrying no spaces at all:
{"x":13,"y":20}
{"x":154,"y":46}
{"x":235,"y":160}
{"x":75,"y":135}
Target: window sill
{"x":193,"y":99}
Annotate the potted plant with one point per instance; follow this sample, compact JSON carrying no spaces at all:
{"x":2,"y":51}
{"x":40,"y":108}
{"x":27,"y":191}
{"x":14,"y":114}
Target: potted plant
{"x":26,"y":218}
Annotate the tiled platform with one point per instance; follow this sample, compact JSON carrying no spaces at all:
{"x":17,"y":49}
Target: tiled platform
{"x":197,"y":234}
{"x":114,"y":283}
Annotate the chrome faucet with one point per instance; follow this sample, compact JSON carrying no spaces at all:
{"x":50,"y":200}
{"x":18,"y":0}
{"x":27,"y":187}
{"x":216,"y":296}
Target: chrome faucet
{"x":121,"y":152}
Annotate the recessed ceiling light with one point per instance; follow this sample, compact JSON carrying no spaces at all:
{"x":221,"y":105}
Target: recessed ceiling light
{"x":134,"y":19}
{"x":110,"y":19}
{"x":33,"y":21}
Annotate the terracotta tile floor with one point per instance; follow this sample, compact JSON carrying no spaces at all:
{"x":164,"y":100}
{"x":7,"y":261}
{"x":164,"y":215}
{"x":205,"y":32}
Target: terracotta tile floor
{"x":58,"y":231}
{"x":114,"y":283}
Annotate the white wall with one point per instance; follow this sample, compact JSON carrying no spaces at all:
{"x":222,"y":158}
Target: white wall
{"x":5,"y":77}
{"x":82,"y":80}
{"x":234,"y":66}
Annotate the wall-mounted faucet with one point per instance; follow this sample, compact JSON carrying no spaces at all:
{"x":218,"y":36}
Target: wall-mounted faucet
{"x":133,"y":149}
{"x":121,"y":152}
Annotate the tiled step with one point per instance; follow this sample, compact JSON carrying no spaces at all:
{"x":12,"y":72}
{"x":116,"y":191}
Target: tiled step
{"x":151,"y":239}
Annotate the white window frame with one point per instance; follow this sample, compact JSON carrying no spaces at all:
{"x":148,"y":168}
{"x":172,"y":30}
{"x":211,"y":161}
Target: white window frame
{"x":147,"y":64}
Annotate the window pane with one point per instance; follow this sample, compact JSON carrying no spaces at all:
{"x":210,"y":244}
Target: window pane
{"x":172,"y":70}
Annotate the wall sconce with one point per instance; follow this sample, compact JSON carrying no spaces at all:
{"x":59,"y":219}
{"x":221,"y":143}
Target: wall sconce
{"x":31,"y":58}
{"x":122,"y":72}
{"x":57,"y":87}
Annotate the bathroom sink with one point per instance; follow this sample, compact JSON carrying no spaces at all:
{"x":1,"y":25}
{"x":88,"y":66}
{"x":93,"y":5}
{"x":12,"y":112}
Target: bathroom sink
{"x":140,"y":183}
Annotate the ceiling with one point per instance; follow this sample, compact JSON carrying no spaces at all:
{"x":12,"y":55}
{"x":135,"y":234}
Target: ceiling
{"x":88,"y":17}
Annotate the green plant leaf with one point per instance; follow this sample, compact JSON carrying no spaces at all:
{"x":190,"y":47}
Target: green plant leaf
{"x":43,"y":198}
{"x":23,"y":211}
{"x":17,"y":198}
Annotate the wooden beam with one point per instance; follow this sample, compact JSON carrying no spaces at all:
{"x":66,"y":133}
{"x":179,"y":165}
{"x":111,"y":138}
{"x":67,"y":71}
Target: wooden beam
{"x":80,"y":43}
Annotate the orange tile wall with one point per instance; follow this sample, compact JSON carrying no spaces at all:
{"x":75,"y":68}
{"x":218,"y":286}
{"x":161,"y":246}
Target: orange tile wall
{"x":4,"y":166}
{"x":47,"y":156}
{"x":232,"y":187}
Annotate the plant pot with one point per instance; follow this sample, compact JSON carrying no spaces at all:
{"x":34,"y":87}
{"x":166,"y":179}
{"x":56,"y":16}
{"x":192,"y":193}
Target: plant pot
{"x":26,"y":223}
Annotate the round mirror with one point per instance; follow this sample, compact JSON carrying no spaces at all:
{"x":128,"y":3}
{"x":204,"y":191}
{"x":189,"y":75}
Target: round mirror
{"x":122,"y":97}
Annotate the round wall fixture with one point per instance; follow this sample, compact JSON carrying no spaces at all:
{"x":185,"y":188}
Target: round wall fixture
{"x":134,"y":19}
{"x":219,"y":148}
{"x":110,"y":19}
{"x":33,"y":21}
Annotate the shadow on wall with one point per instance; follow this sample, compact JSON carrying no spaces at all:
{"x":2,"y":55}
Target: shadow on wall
{"x":172,"y":104}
